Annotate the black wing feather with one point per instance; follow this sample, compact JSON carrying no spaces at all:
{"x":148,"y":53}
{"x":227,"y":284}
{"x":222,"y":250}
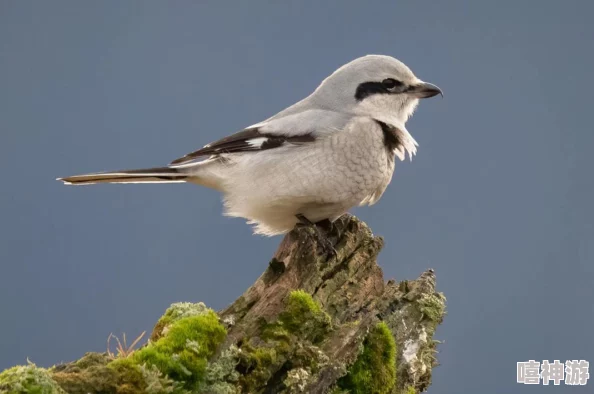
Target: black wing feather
{"x":240,"y":142}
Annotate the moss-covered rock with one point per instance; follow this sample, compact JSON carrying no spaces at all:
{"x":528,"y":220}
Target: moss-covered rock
{"x":413,"y":313}
{"x":182,"y":353}
{"x":99,"y":373}
{"x":433,"y":306}
{"x":374,"y":372}
{"x":187,"y":336}
{"x":175,"y":312}
{"x":90,"y":374}
{"x":294,"y":336}
{"x":309,"y":324}
{"x":304,"y":317}
{"x":28,"y":379}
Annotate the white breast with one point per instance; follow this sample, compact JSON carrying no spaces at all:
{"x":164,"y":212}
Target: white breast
{"x":320,"y":180}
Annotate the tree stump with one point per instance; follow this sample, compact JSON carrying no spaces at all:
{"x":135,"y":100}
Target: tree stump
{"x":312,"y":323}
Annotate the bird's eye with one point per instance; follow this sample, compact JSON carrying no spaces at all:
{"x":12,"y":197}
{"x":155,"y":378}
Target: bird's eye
{"x":391,"y":83}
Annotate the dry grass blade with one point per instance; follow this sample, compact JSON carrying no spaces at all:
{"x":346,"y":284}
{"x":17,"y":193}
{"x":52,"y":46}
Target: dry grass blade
{"x":136,"y":341}
{"x":123,"y":350}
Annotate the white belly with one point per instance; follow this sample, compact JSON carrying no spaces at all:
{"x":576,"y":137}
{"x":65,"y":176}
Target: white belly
{"x":321,"y":180}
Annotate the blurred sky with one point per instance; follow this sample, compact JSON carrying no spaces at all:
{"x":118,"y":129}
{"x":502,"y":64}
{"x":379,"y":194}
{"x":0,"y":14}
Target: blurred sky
{"x":499,"y":199}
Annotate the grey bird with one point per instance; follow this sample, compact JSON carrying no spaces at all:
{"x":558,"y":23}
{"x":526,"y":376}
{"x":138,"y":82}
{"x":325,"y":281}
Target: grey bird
{"x":311,"y":162}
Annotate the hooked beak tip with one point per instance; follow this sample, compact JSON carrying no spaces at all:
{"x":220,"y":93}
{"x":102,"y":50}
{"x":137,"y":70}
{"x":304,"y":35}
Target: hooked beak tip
{"x":425,"y":90}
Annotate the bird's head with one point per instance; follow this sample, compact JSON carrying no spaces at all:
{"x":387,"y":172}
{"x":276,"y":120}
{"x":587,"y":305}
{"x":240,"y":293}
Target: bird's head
{"x":377,"y":86}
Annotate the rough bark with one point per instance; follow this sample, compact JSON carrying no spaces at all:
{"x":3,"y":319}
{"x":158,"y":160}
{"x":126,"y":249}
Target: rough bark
{"x":279,"y":341}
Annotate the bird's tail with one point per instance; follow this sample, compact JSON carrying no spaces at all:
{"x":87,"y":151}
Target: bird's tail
{"x":147,"y":175}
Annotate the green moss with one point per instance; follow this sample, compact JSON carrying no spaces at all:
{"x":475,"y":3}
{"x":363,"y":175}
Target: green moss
{"x":176,"y":362}
{"x":130,"y":379}
{"x":257,"y":365}
{"x":304,"y":317}
{"x":92,"y":359}
{"x":182,"y":352}
{"x":174,"y":313}
{"x":28,"y":379}
{"x":97,"y":373}
{"x":433,"y":306}
{"x":90,"y":374}
{"x":294,"y":335}
{"x":374,"y":371}
{"x":411,"y":390}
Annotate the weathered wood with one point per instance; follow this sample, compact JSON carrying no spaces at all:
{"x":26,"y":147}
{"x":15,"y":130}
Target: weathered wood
{"x":351,"y":289}
{"x":300,"y":328}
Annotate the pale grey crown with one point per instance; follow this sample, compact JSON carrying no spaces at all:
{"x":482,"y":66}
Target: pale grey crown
{"x":338,"y":91}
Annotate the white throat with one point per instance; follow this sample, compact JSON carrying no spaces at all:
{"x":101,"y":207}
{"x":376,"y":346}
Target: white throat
{"x":376,"y":108}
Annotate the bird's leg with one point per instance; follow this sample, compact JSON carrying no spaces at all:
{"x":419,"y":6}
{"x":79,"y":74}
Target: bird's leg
{"x":323,"y":236}
{"x":325,"y":225}
{"x":330,"y":228}
{"x":303,"y":221}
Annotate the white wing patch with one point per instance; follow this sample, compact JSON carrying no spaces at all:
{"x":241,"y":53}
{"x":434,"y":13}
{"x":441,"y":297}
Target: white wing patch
{"x":257,"y":142}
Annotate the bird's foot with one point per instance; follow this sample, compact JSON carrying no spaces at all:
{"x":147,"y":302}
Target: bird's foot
{"x":330,"y":228}
{"x":323,"y":230}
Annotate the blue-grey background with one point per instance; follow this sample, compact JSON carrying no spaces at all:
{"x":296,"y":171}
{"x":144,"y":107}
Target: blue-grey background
{"x":499,"y":199}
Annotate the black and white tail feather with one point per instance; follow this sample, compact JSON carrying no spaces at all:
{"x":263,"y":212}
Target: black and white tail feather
{"x":184,"y":169}
{"x":147,"y":175}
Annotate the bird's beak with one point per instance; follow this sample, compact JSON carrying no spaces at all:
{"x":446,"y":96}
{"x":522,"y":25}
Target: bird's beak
{"x":424,"y":90}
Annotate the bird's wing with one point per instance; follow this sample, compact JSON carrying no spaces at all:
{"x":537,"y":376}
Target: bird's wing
{"x":296,"y":129}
